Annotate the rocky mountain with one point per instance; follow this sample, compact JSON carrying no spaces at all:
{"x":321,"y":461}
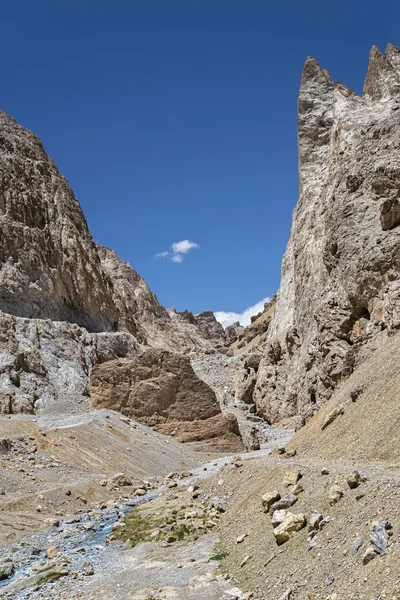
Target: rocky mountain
{"x":315,"y":513}
{"x":66,"y":303}
{"x":340,"y":281}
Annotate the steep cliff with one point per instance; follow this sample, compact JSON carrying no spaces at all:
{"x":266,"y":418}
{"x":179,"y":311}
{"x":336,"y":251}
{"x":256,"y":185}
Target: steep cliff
{"x":49,"y":265}
{"x":341,"y":271}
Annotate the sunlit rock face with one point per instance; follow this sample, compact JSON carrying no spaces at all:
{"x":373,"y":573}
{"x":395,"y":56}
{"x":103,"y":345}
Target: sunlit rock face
{"x":49,"y":264}
{"x":341,"y":271}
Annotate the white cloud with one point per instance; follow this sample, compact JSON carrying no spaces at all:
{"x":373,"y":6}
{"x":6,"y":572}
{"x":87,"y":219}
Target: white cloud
{"x":227,"y":318}
{"x":183,"y":247}
{"x":178,"y":250}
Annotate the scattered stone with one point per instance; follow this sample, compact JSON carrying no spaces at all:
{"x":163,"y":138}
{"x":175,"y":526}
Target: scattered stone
{"x":241,"y":538}
{"x":332,"y":416}
{"x":356,"y":545}
{"x":369,"y":555}
{"x":335,"y":494}
{"x":291,"y":478}
{"x":353,"y":479}
{"x":298,"y":489}
{"x":6,"y":568}
{"x":290,"y":453}
{"x":285,"y":502}
{"x":380,"y":536}
{"x":245,"y":560}
{"x":53,"y":522}
{"x":314,"y":520}
{"x":269,"y":498}
{"x":52,"y":551}
{"x":324,"y":471}
{"x":278,"y":517}
{"x":170,"y":539}
{"x":311,"y":544}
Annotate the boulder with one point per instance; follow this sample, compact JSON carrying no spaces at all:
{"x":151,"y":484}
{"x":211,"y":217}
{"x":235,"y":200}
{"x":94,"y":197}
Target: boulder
{"x":314,"y":520}
{"x":285,"y":502}
{"x":6,"y":568}
{"x":153,"y":388}
{"x":278,"y":516}
{"x":218,"y":434}
{"x":289,"y":526}
{"x":291,"y":478}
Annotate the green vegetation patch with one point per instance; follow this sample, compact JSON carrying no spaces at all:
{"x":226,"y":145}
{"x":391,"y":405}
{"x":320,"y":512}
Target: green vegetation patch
{"x":48,"y":576}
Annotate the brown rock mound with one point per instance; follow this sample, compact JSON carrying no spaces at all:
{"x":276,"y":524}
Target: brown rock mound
{"x":159,"y":387}
{"x":219,"y":433}
{"x":154,"y":387}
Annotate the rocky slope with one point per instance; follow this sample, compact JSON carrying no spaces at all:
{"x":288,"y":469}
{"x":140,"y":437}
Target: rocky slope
{"x":341,"y":272}
{"x":142,"y":315}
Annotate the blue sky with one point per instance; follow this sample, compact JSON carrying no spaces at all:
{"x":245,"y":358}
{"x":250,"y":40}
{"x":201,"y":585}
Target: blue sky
{"x":175,"y":121}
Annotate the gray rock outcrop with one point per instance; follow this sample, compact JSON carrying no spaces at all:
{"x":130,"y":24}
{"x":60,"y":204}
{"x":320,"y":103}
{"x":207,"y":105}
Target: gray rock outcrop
{"x":46,"y":364}
{"x":340,"y":279}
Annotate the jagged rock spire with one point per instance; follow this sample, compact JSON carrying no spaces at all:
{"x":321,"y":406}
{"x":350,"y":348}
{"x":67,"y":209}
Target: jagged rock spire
{"x":382,"y":78}
{"x":314,"y":109}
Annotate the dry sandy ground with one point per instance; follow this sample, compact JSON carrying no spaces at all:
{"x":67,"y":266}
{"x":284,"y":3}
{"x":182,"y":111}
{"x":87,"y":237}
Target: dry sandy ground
{"x":53,"y":467}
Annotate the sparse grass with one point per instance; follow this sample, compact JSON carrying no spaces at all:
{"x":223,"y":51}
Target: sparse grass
{"x":220,"y":552}
{"x":138,"y":527}
{"x":140,"y":523}
{"x":48,"y":576}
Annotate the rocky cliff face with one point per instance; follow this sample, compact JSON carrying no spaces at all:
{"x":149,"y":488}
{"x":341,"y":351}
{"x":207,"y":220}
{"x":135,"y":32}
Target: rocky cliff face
{"x":46,"y":364}
{"x":341,"y":272}
{"x":49,"y":265}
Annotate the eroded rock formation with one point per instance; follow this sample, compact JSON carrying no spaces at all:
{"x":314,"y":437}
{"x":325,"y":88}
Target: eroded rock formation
{"x":46,"y":364}
{"x":49,"y":265}
{"x":341,"y":270}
